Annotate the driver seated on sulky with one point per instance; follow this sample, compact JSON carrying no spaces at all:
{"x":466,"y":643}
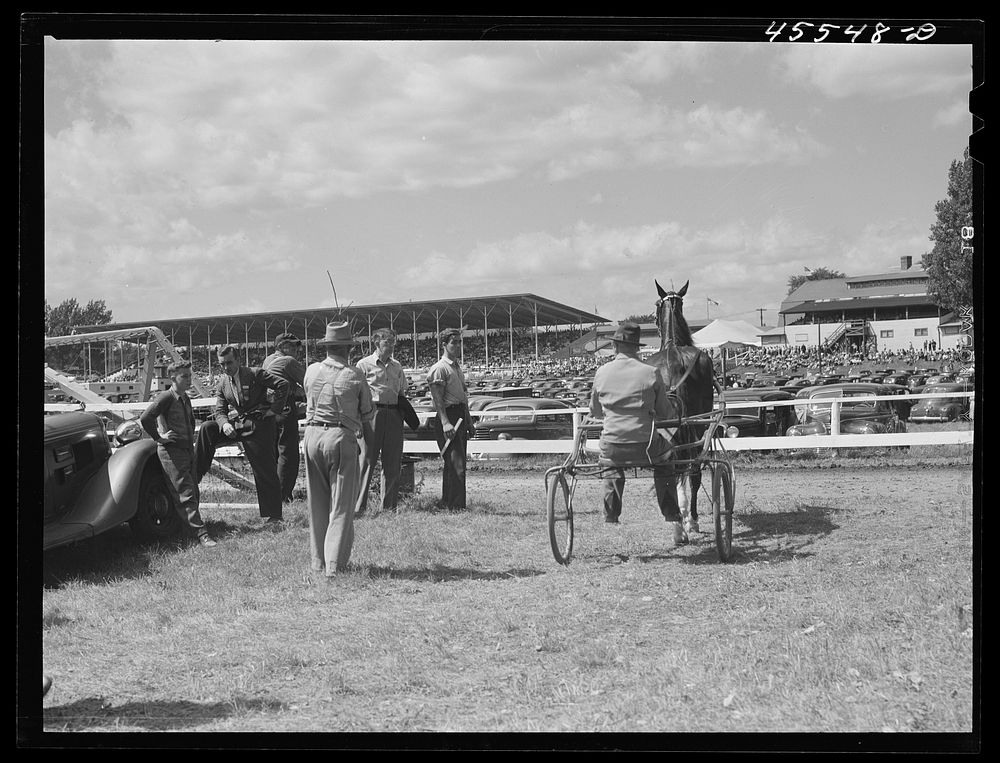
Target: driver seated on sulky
{"x":629,"y":396}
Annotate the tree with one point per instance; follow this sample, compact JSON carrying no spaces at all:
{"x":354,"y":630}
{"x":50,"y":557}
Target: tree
{"x":63,"y":318}
{"x":949,"y":263}
{"x":67,"y":315}
{"x":812,"y":274}
{"x":647,"y":318}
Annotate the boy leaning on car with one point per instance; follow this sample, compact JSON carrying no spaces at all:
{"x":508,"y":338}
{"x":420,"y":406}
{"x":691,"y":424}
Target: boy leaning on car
{"x":169,"y":420}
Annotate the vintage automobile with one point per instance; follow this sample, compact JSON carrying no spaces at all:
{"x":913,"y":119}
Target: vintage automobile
{"x":931,"y":410}
{"x":763,"y":421}
{"x":860,"y":413}
{"x":763,"y":382}
{"x":897,"y":378}
{"x":426,"y":404}
{"x":91,"y":488}
{"x":534,"y":418}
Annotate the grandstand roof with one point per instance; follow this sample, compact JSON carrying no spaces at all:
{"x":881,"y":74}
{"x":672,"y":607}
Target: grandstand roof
{"x":850,"y":303}
{"x":496,"y":312}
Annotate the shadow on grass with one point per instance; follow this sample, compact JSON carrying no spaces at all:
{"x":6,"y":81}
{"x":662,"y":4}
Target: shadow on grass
{"x":442,"y":574}
{"x":768,"y":538}
{"x":118,"y":555}
{"x":93,"y":713}
{"x":772,"y":537}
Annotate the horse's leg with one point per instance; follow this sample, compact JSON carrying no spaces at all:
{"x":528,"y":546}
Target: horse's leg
{"x":684,"y":498}
{"x":693,"y":481}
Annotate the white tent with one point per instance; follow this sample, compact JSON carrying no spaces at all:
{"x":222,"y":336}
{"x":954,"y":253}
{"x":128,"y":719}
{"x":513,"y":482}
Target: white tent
{"x":727,"y":334}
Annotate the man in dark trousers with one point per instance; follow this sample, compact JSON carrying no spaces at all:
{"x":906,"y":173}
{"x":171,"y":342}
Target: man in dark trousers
{"x":284,"y":363}
{"x":169,"y":420}
{"x":387,"y":383}
{"x":453,"y":424}
{"x":243,"y":414}
{"x":629,"y":396}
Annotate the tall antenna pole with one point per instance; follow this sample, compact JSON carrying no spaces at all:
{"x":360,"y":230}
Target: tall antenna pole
{"x":761,"y":311}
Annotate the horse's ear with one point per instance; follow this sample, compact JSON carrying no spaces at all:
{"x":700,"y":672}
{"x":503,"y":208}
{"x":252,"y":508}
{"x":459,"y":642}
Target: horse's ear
{"x":659,"y":289}
{"x":684,"y":289}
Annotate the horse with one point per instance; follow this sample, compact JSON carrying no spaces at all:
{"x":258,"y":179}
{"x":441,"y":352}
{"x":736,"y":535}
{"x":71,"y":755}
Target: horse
{"x":688,"y":372}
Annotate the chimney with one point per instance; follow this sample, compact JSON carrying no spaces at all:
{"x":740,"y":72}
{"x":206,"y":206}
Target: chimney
{"x":905,"y":263}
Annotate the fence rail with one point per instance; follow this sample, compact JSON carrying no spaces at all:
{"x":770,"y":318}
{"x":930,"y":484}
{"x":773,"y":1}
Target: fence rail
{"x":500,"y":447}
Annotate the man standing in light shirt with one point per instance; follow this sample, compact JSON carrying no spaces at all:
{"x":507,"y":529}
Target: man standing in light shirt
{"x":453,"y":424}
{"x":338,"y":409}
{"x":387,"y":383}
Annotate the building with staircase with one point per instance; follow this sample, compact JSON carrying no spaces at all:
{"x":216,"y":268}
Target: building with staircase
{"x":884,"y":311}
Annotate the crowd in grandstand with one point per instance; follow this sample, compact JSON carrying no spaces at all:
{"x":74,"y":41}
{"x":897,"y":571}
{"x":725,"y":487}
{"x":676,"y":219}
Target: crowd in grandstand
{"x":785,"y":360}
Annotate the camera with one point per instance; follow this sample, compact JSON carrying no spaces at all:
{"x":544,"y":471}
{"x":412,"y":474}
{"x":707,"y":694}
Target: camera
{"x":243,"y":427}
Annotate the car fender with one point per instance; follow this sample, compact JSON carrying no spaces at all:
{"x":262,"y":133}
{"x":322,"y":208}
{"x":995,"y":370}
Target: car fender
{"x":110,"y":497}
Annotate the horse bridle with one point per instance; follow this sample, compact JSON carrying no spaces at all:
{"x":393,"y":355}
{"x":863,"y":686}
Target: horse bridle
{"x":668,"y":297}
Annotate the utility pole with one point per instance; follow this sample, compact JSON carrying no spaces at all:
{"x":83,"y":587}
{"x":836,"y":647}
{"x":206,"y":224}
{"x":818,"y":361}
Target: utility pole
{"x":761,"y":311}
{"x":708,"y":301}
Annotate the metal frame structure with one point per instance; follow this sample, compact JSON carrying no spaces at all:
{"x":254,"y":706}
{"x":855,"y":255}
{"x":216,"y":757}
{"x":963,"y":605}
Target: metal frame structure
{"x":503,"y":311}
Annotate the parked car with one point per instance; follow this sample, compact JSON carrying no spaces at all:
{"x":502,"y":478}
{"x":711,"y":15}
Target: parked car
{"x":939,"y":409}
{"x":765,"y":421}
{"x":860,"y":413}
{"x":426,"y":404}
{"x":426,"y":431}
{"x":543,"y":423}
{"x":794,"y":385}
{"x":91,"y":487}
{"x":898,"y":378}
{"x":761,"y":382}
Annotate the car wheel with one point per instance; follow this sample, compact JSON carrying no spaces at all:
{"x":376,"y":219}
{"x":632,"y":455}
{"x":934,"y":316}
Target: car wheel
{"x":155,"y":518}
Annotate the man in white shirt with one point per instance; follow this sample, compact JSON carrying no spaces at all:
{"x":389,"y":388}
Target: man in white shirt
{"x":453,"y":424}
{"x":387,"y":383}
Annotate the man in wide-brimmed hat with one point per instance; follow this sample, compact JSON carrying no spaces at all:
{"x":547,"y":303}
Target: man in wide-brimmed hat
{"x":338,"y":409}
{"x":284,"y":363}
{"x":630,"y":395}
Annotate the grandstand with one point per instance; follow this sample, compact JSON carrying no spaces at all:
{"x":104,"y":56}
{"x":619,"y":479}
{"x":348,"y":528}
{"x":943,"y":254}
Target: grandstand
{"x":499,"y":330}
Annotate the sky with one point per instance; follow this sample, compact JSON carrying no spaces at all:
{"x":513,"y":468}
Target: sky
{"x":192,"y":178}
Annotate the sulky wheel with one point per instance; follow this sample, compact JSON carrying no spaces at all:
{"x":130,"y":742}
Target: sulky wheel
{"x":723,"y":499}
{"x":560,"y":514}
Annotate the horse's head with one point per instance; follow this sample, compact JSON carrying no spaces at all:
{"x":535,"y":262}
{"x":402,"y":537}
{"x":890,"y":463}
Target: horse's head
{"x":674,"y":298}
{"x":670,"y":307}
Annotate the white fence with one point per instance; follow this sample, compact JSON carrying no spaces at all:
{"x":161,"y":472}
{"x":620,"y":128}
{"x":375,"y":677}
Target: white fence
{"x":501,"y":447}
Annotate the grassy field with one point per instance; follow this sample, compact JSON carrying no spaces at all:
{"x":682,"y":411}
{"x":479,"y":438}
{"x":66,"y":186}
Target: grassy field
{"x":848,"y":608}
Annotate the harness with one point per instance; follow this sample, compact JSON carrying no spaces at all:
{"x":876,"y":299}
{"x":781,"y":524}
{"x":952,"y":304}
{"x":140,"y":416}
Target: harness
{"x":673,"y":388}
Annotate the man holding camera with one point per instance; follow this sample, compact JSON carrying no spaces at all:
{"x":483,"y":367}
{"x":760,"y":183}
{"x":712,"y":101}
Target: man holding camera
{"x":283,"y":362}
{"x":244,"y":414}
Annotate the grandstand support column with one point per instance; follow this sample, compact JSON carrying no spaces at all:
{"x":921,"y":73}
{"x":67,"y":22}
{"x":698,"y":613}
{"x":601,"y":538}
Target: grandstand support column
{"x":147,"y":376}
{"x":486,"y":337}
{"x":191,"y":350}
{"x":461,"y":336}
{"x":105,"y":360}
{"x":413,"y":336}
{"x":208,"y":351}
{"x":246,"y":343}
{"x":510,"y":333}
{"x":534,"y":310}
{"x":370,"y":332}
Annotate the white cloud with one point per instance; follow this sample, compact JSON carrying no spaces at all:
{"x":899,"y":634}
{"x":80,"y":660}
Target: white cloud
{"x":882,"y":71}
{"x":956,"y":114}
